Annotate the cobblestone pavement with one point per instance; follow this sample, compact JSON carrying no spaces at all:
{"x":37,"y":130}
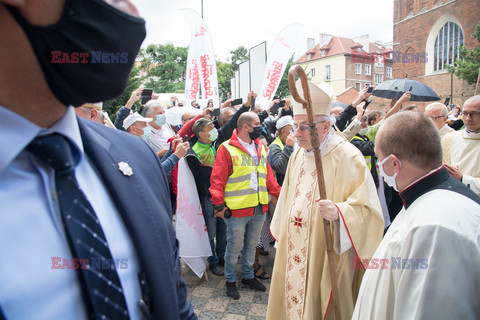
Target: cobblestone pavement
{"x":210,"y":301}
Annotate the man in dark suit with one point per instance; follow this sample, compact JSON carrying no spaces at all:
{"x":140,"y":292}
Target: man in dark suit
{"x":69,"y":186}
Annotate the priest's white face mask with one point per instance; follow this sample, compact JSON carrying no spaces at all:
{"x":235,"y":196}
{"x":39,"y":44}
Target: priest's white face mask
{"x":390,"y":180}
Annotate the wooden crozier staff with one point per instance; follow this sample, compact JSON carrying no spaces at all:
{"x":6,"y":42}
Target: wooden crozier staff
{"x":306,"y":101}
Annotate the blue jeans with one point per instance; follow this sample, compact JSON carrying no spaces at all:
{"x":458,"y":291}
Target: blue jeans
{"x":243,"y":235}
{"x":216,"y":229}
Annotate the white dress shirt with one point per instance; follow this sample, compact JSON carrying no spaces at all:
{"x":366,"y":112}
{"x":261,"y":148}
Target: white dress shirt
{"x":31,"y":233}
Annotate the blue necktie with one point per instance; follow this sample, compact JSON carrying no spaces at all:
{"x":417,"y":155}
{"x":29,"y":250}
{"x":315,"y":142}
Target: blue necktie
{"x":100,"y":282}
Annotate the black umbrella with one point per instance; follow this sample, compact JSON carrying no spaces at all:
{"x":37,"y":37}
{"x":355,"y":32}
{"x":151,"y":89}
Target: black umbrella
{"x":397,"y":87}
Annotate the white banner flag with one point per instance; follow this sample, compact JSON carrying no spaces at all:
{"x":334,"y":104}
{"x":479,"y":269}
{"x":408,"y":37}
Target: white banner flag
{"x":201,"y":65}
{"x":283,"y":48}
{"x":190,"y":224}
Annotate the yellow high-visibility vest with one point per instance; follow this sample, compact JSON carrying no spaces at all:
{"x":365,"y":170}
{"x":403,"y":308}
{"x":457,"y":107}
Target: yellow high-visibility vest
{"x":278,"y":142}
{"x":238,"y":192}
{"x":368,"y":159}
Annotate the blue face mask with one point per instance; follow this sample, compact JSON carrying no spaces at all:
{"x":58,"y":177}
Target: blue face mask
{"x":146,"y":133}
{"x":160,"y":119}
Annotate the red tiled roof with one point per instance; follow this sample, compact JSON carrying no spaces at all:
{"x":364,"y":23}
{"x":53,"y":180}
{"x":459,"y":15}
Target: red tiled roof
{"x":339,"y":45}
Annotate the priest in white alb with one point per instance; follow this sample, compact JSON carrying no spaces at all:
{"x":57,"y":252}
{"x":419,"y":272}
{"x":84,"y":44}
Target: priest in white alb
{"x":461,"y":149}
{"x":301,"y":286}
{"x":427,"y":265}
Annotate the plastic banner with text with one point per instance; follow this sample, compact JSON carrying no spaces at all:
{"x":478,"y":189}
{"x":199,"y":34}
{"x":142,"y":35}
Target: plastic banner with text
{"x":201,"y":66}
{"x":283,"y":48}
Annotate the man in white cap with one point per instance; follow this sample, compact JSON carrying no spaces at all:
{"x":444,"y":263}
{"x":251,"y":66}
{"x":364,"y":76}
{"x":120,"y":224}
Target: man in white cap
{"x":282,"y":147}
{"x":438,"y":112}
{"x":137,"y":125}
{"x":301,"y":286}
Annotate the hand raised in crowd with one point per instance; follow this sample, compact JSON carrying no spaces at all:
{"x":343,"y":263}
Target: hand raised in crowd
{"x":290,"y":140}
{"x":455,"y":111}
{"x":405,"y":97}
{"x":454,"y":171}
{"x":136,"y":94}
{"x":155,"y":96}
{"x":228,"y":103}
{"x":251,"y":94}
{"x":286,"y":107}
{"x":362,"y":95}
{"x":327,"y":210}
{"x":181,"y":149}
{"x":360,"y":110}
{"x":206,"y":113}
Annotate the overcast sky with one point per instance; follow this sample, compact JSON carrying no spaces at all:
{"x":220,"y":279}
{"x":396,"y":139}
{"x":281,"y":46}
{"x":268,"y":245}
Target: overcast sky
{"x":250,"y":22}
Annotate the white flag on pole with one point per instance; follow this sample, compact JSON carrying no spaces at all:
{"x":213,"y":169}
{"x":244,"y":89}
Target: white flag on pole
{"x":190,"y":223}
{"x":283,"y":48}
{"x":201,"y":65}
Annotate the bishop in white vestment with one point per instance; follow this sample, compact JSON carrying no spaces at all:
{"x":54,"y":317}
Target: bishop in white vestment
{"x":301,"y":286}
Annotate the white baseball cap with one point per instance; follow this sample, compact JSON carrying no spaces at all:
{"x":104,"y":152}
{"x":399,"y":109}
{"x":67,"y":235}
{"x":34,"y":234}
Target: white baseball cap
{"x":134,"y":117}
{"x":284,"y":121}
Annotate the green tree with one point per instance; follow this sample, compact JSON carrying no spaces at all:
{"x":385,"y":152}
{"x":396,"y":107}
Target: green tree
{"x":165,"y":67}
{"x":283,"y":90}
{"x":134,"y":81}
{"x":468,"y":66}
{"x":226,"y":70}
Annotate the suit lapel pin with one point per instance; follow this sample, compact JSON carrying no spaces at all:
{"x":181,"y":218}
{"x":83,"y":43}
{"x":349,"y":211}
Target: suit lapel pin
{"x":125,"y":168}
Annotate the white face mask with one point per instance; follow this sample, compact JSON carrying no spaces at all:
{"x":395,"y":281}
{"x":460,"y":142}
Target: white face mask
{"x":390,"y":180}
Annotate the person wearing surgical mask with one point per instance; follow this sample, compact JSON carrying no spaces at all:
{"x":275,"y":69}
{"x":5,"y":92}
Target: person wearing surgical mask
{"x":436,"y":230}
{"x":138,"y":125}
{"x":161,"y":131}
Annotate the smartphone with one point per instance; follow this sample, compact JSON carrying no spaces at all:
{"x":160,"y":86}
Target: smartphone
{"x":215,"y":112}
{"x":411,"y":87}
{"x":236,"y":102}
{"x":370,"y":90}
{"x":146,"y":95}
{"x":447,"y":101}
{"x":185,"y":139}
{"x":274,"y":108}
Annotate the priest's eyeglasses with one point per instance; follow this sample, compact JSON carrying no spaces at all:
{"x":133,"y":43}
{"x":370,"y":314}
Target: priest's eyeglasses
{"x":304,"y":127}
{"x":473,"y":114}
{"x":435,"y":118}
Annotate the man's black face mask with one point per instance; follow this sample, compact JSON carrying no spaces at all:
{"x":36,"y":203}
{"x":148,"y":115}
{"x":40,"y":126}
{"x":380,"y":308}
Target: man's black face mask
{"x":87,"y":56}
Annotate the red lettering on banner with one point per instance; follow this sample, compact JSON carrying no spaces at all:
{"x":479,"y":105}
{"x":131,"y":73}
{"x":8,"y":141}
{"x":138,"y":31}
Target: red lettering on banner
{"x":201,"y":32}
{"x":283,"y":42}
{"x":195,"y":77}
{"x":274,"y":77}
{"x":207,"y":71}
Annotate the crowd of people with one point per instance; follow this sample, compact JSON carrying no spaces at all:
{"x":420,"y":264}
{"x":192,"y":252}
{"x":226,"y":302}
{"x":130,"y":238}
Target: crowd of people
{"x":86,"y":226}
{"x":243,"y":157}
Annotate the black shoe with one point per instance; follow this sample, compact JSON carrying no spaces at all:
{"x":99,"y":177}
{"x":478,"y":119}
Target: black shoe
{"x":255,"y":284}
{"x":221,"y":262}
{"x":232,"y":291}
{"x":216,"y":270}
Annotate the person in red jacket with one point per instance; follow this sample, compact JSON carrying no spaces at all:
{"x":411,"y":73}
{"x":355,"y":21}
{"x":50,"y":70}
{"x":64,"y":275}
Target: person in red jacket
{"x":240,"y":182}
